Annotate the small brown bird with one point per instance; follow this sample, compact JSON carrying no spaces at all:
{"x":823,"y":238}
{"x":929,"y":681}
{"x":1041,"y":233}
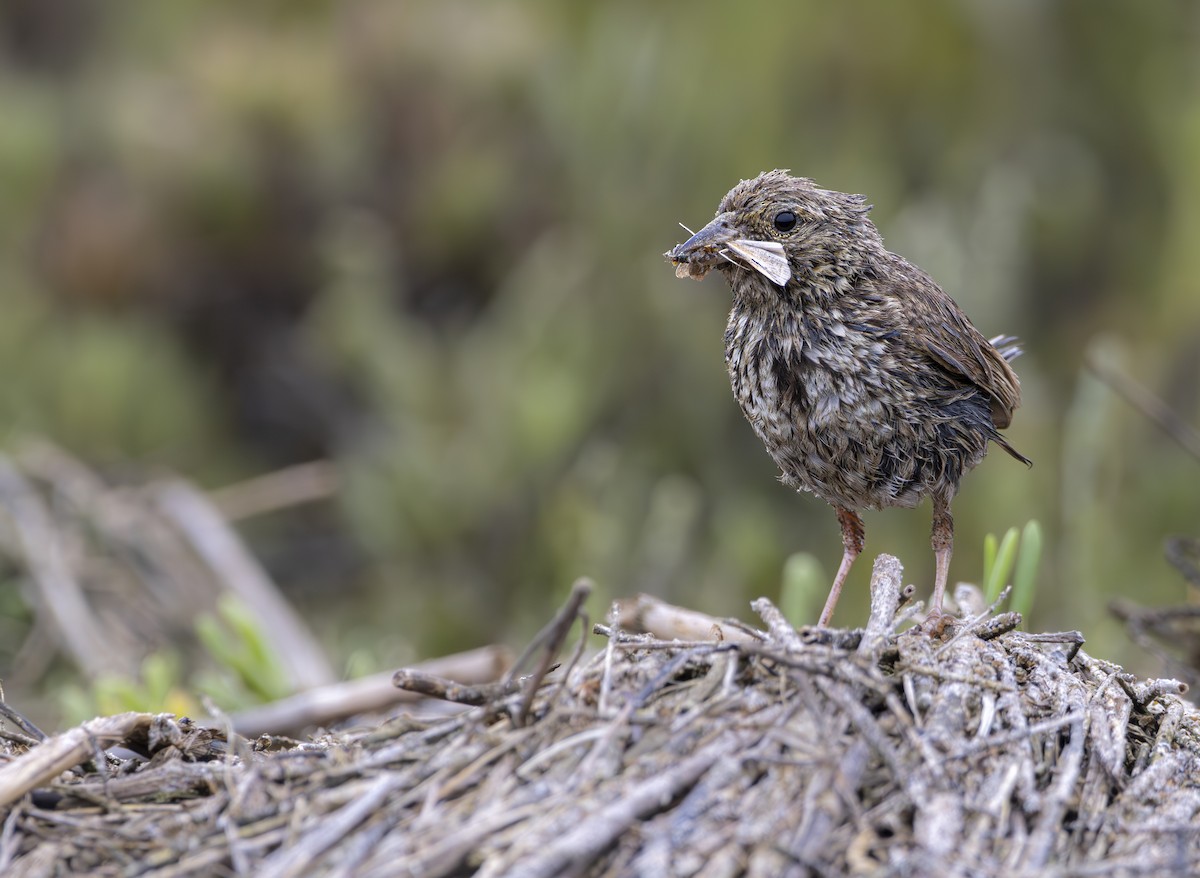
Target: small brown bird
{"x":866,"y":382}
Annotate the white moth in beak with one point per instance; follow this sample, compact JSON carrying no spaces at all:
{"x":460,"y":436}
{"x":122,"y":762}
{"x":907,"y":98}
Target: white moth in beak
{"x":765,"y":257}
{"x":718,"y":240}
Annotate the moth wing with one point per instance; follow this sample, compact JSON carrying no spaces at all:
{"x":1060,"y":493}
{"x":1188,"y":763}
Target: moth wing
{"x":766,"y":257}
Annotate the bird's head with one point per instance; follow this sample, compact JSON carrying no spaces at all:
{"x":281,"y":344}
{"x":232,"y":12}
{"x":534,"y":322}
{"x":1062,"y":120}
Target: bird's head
{"x":779,"y":226}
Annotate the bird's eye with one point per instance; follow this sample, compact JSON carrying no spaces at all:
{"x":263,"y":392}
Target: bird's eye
{"x":785,"y":221}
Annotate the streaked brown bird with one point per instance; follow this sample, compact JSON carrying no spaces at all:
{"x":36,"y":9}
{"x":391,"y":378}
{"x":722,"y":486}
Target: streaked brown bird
{"x":866,"y":382}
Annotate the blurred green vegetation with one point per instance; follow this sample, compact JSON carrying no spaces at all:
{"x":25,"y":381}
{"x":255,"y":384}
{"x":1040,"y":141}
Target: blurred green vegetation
{"x":424,"y":239}
{"x":242,"y":671}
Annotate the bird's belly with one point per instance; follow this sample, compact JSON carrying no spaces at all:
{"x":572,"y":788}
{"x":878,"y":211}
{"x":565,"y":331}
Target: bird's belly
{"x":831,"y":433}
{"x":837,"y":450}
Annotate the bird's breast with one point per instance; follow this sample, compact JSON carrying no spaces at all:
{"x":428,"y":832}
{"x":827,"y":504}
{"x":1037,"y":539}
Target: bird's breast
{"x":811,"y":368}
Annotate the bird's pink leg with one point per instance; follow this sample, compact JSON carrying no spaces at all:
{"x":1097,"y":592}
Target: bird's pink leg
{"x":943,"y":547}
{"x":853,"y":534}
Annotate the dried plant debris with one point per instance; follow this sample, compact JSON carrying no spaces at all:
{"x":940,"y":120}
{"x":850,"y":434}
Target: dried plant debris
{"x":113,"y":571}
{"x":1171,"y":634}
{"x":968,"y":749}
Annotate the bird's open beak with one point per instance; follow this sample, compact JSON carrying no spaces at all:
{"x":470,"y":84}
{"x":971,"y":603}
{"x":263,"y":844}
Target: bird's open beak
{"x":695,"y":256}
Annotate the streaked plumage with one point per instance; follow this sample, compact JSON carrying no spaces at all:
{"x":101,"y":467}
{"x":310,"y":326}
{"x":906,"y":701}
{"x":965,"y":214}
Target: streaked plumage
{"x":867,"y":384}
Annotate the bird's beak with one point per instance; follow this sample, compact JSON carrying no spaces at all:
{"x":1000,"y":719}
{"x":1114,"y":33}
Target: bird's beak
{"x":695,"y":256}
{"x":719,"y":241}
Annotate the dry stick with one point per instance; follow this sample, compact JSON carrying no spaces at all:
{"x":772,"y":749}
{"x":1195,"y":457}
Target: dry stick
{"x":1040,"y":845}
{"x":551,"y":638}
{"x":7,"y":848}
{"x":1147,"y":403}
{"x":1155,"y":617}
{"x":7,"y":712}
{"x":981,"y":745}
{"x":936,"y":672}
{"x":824,"y":814}
{"x":665,"y":675}
{"x":446,"y":856}
{"x":291,"y":486}
{"x":1147,"y":690}
{"x":1182,"y":553}
{"x":564,"y":681}
{"x":669,"y":622}
{"x":887,"y":585}
{"x":1074,"y":641}
{"x":239,"y":859}
{"x":206,"y":861}
{"x":1147,"y":626}
{"x":471,"y":774}
{"x":579,"y":592}
{"x":781,"y":630}
{"x":62,"y":752}
{"x":295,"y":860}
{"x":1167,"y":727}
{"x":613,"y":633}
{"x":117,"y":526}
{"x":1126,"y":866}
{"x":327,"y":704}
{"x":59,"y":594}
{"x":578,"y":848}
{"x":525,"y":770}
{"x":990,"y":629}
{"x":357,"y":849}
{"x":299,"y":652}
{"x":869,"y":729}
{"x":971,"y":624}
{"x":633,"y":642}
{"x":444,"y":689}
{"x":580,"y":647}
{"x":823,"y":664}
{"x":173,"y":777}
{"x":1110,"y":714}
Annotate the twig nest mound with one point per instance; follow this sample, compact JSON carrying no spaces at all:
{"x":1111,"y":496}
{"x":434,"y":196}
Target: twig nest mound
{"x":960,"y":748}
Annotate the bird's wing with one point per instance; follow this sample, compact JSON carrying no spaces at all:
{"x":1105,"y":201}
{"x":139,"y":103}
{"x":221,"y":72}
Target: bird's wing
{"x":942,"y":332}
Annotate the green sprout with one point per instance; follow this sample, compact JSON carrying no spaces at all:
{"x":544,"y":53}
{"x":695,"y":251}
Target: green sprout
{"x":250,"y":671}
{"x":1017,"y":554}
{"x":804,"y":585}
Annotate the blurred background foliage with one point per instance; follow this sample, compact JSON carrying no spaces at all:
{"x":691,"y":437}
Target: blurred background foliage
{"x":423,"y":239}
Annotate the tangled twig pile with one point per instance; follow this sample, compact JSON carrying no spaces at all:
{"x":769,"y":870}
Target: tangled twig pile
{"x":971,"y":750}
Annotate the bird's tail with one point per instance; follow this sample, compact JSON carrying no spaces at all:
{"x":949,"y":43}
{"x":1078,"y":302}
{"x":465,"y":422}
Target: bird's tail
{"x":1008,"y":346}
{"x":1003,"y":443}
